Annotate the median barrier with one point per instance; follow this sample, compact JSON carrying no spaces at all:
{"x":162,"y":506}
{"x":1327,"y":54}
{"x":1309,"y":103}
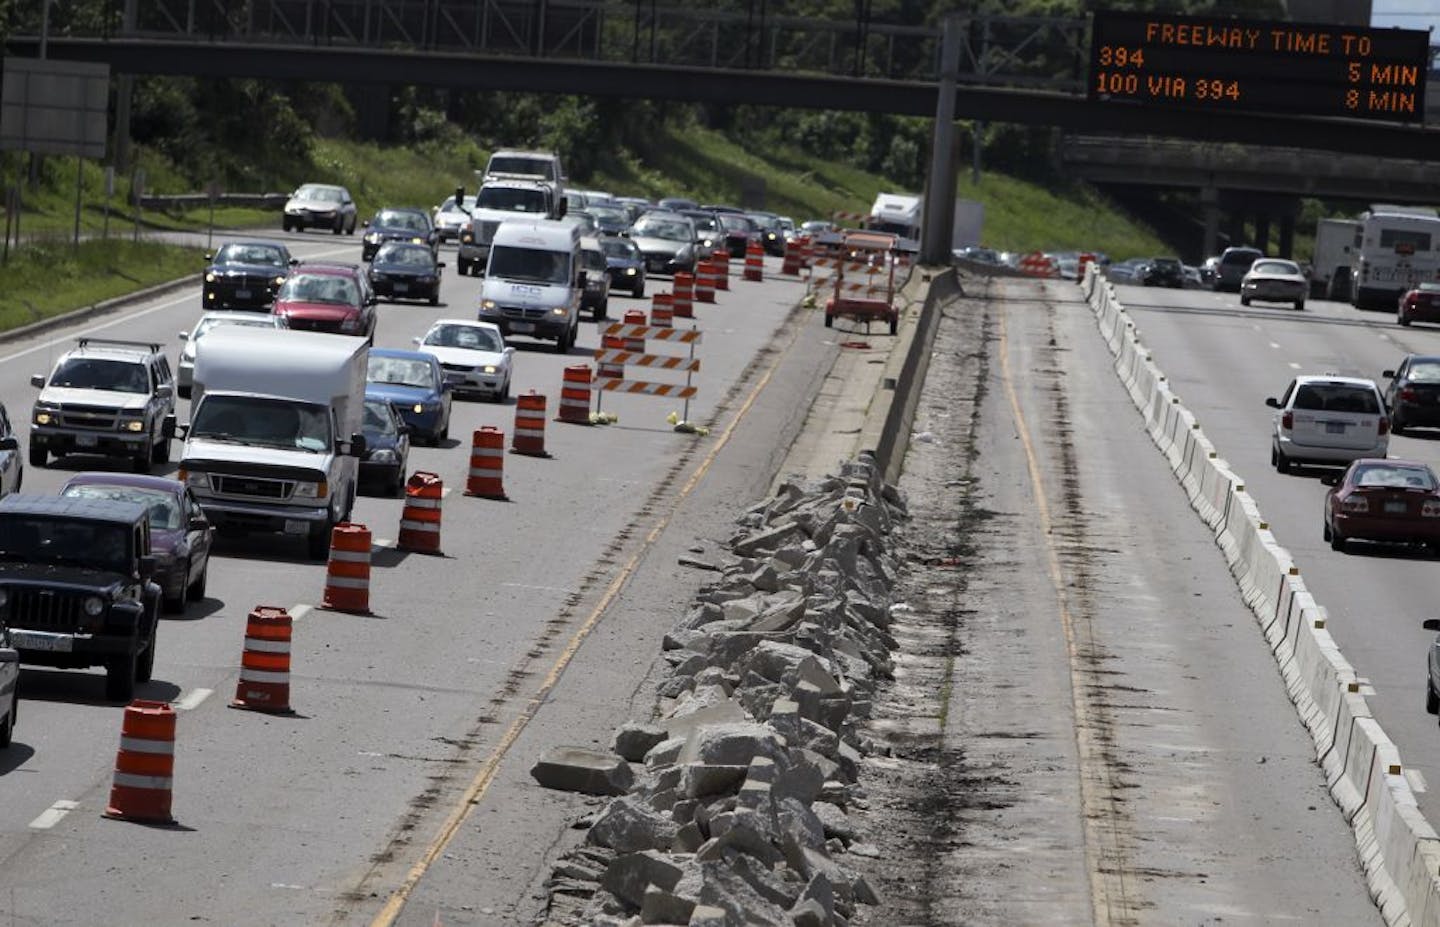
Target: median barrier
{"x":1398,"y":849}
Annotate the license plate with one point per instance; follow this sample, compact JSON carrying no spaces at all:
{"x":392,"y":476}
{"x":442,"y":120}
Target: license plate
{"x":1334,"y":428}
{"x":87,"y":441}
{"x":243,"y":294}
{"x":296,"y":526}
{"x":1395,"y":508}
{"x":522,"y":326}
{"x":39,"y":640}
{"x":402,"y":287}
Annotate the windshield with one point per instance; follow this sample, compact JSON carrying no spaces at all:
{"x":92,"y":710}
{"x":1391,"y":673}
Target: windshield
{"x":264,"y":422}
{"x":620,"y":248}
{"x":400,"y":219}
{"x":449,"y":205}
{"x":1395,"y":476}
{"x":593,"y":260}
{"x":324,"y":194}
{"x":163,"y":508}
{"x":71,"y":541}
{"x":607,"y":213}
{"x":513,"y":199}
{"x":401,"y":371}
{"x":96,"y":373}
{"x":209,"y":322}
{"x":379,"y":420}
{"x":1274,"y":267}
{"x":1424,"y":372}
{"x":406,"y":255}
{"x":529,"y":264}
{"x":464,"y":336}
{"x":735,"y":223}
{"x":669,"y":230}
{"x":518,"y":164}
{"x":250,"y":254}
{"x":319,"y":288}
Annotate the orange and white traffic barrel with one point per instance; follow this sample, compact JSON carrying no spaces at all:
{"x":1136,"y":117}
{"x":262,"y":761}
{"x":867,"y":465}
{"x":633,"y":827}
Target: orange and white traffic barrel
{"x":347,"y":575}
{"x":684,"y":295}
{"x":609,"y":370}
{"x":529,"y":436}
{"x":662,"y":310}
{"x":487,"y":463}
{"x":575,"y":395}
{"x":420,"y":519}
{"x":632,"y":344}
{"x":754,"y":262}
{"x":705,"y":282}
{"x":265,"y":664}
{"x":794,"y":258}
{"x":144,"y":765}
{"x":720,"y":261}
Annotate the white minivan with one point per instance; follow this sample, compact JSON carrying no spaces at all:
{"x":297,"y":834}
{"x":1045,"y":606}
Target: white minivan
{"x":534,"y":281}
{"x":1328,"y":420}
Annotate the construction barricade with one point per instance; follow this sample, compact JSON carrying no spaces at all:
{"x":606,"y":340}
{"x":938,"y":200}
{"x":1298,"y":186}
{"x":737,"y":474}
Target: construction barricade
{"x":720,"y":261}
{"x":575,"y":394}
{"x":794,"y":260}
{"x":347,"y":575}
{"x":1037,"y":264}
{"x":529,"y":435}
{"x":265,"y":663}
{"x":487,"y":464}
{"x":688,"y":363}
{"x":705,"y":281}
{"x":662,"y":310}
{"x":144,"y":765}
{"x":420,"y":519}
{"x":754,"y":262}
{"x":684,"y":295}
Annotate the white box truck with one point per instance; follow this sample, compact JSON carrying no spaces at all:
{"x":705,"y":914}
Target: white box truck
{"x":1334,"y":252}
{"x":896,"y":213}
{"x":274,"y":438}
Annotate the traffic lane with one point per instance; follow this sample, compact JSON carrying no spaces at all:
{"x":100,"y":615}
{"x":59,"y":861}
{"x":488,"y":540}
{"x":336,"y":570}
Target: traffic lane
{"x":1375,"y":596}
{"x":432,"y":631}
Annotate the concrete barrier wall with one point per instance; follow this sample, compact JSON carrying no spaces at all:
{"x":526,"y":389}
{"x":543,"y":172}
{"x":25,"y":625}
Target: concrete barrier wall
{"x":1398,"y":848}
{"x":895,"y":432}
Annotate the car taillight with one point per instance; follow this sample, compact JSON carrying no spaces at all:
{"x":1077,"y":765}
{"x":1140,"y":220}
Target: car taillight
{"x":1408,"y":394}
{"x":1355,"y":504}
{"x":1430,"y":508}
{"x":1287,"y":420}
{"x":1384,"y":426}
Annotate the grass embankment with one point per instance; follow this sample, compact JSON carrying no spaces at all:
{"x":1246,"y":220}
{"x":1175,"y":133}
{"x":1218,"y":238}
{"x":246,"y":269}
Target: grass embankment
{"x":52,"y":277}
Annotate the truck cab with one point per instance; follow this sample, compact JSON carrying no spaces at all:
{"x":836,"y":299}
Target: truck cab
{"x":501,"y":198}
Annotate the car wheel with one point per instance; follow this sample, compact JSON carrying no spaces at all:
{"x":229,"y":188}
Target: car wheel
{"x":829,"y":321}
{"x":1299,"y":304}
{"x":196,"y":592}
{"x":562,"y":344}
{"x":38,"y":456}
{"x":435,"y":298}
{"x":285,"y":225}
{"x":176,"y":603}
{"x":1432,"y":703}
{"x":639,"y":291}
{"x":1403,"y":319}
{"x":339,"y":226}
{"x":351,"y":229}
{"x":1244,"y":300}
{"x":601,"y":311}
{"x":318,"y":541}
{"x":145,"y":663}
{"x":1325,"y":531}
{"x":120,"y":677}
{"x":1337,"y":542}
{"x":1282,"y":463}
{"x":7,"y":730}
{"x":1397,"y":423}
{"x":894,"y":324}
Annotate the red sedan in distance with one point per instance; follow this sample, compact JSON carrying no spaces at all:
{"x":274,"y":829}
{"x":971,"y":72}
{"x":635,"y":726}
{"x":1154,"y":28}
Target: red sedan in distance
{"x":1383,"y":499}
{"x":1420,"y":304}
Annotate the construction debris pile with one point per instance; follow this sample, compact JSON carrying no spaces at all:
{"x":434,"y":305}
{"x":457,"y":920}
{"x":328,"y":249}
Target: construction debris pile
{"x":732,"y":805}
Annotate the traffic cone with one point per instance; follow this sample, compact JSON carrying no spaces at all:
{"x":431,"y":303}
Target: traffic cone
{"x":684,"y":294}
{"x":144,"y":765}
{"x":632,"y":344}
{"x":662,"y":310}
{"x":794,"y":258}
{"x":420,"y":519}
{"x":575,"y":396}
{"x":529,"y":437}
{"x":487,"y":463}
{"x":265,"y":664}
{"x":754,"y":262}
{"x":720,"y":264}
{"x":347,"y":575}
{"x":609,"y":370}
{"x":705,"y":282}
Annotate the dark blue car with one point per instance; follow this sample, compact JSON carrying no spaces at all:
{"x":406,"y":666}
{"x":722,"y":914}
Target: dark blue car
{"x":245,"y":274}
{"x":387,"y":446}
{"x":625,"y":265}
{"x":406,"y":224}
{"x":414,"y":384}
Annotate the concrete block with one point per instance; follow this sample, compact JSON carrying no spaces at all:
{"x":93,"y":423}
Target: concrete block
{"x":578,"y":769}
{"x":705,"y":915}
{"x":630,"y":875}
{"x":664,"y":753}
{"x":702,"y":780}
{"x":629,"y":825}
{"x":665,"y":907}
{"x":766,"y":540}
{"x":633,"y":740}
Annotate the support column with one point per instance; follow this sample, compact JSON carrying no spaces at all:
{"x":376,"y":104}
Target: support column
{"x":1287,"y":235}
{"x":1262,"y":232}
{"x":123,"y":88}
{"x":939,"y":219}
{"x":1210,"y":214}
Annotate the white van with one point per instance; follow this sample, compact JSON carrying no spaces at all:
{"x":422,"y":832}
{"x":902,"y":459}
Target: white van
{"x":534,"y":281}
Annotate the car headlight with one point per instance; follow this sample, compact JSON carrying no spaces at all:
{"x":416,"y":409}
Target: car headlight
{"x":559,"y":310}
{"x":372,"y":238}
{"x":135,"y":425}
{"x":210,"y":277}
{"x":417,"y":408}
{"x":417,"y":241}
{"x":306,"y":489}
{"x":487,"y":304}
{"x":427,"y":279}
{"x":93,"y":606}
{"x":43,"y":418}
{"x":385,"y":456}
{"x":629,"y":271}
{"x":467,"y":238}
{"x":280,"y":279}
{"x":771,"y":236}
{"x":491,"y":368}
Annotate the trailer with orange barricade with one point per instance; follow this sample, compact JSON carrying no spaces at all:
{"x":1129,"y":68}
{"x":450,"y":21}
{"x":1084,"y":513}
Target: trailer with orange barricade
{"x":864,"y":277}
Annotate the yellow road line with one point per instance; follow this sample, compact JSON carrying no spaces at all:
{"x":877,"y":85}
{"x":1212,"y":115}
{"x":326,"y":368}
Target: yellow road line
{"x":491,"y":767}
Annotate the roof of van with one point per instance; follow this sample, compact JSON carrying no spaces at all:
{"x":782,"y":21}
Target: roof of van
{"x":550,"y":234}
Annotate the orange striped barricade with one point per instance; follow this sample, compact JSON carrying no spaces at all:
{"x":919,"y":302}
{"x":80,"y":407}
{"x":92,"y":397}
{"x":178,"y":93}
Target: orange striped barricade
{"x":662,"y":310}
{"x":754,"y":262}
{"x":635,"y":344}
{"x":575,"y":396}
{"x":720,"y":262}
{"x":603,"y":369}
{"x":843,"y":218}
{"x":617,"y":349}
{"x":684,"y":295}
{"x":347,"y":575}
{"x":689,"y":363}
{"x":420,"y":519}
{"x":794,"y":258}
{"x":144,"y":765}
{"x":529,"y":436}
{"x":265,"y":664}
{"x":487,"y":463}
{"x":705,"y":282}
{"x":1037,"y":264}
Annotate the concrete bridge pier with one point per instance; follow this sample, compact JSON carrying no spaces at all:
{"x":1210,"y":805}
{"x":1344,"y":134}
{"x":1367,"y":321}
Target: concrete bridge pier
{"x":1210,"y":215}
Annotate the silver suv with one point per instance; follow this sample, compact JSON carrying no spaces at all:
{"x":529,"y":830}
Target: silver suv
{"x":1328,"y":420}
{"x":105,"y":397}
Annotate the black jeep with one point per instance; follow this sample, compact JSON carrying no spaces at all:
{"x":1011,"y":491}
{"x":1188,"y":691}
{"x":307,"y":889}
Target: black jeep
{"x":76,"y":586}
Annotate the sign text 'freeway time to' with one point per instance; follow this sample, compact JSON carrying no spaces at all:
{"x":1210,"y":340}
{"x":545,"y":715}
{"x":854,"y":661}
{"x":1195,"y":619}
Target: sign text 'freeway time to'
{"x":1238,"y":64}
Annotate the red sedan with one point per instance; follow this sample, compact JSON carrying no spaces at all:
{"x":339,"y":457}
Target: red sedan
{"x":1420,"y":304}
{"x":1379,"y":499}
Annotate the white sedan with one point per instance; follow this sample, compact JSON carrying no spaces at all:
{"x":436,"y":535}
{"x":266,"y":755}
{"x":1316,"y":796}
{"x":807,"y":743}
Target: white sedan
{"x":1271,"y":280}
{"x":473,"y":355}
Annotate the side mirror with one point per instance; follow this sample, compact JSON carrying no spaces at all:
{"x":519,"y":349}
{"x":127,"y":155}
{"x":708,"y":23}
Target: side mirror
{"x":1331,"y":479}
{"x":209,"y":255}
{"x":365,"y":224}
{"x":509,"y":349}
{"x":197,"y":523}
{"x":439,"y":265}
{"x":402,"y":429}
{"x":184,"y":336}
{"x":1272,"y":402}
{"x":168,"y":426}
{"x":9,"y":443}
{"x":1431,"y":624}
{"x":294,"y":262}
{"x":37,"y":380}
{"x":164,"y":390}
{"x":357,"y":445}
{"x":1389,"y":374}
{"x":415,"y":340}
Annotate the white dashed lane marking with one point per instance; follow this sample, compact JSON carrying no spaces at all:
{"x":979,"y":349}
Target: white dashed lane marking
{"x":53,"y":815}
{"x":192,"y":699}
{"x":298,"y":611}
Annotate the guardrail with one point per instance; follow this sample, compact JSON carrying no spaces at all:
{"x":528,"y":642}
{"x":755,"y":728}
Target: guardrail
{"x":1399,"y":850}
